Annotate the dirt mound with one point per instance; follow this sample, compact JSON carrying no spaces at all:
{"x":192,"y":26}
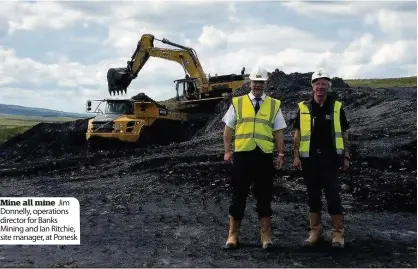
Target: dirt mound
{"x":145,"y":98}
{"x":279,"y":79}
{"x":58,"y":138}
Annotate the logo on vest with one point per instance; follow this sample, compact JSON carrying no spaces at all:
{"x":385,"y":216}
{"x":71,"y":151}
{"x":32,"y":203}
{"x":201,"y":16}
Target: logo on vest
{"x":327,"y":117}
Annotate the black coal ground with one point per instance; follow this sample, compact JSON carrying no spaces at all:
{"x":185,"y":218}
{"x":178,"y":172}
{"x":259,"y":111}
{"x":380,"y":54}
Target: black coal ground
{"x":167,"y":206}
{"x":143,"y":221}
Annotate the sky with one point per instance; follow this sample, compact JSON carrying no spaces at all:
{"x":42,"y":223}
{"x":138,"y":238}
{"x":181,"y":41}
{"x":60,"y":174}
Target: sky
{"x":56,"y":54}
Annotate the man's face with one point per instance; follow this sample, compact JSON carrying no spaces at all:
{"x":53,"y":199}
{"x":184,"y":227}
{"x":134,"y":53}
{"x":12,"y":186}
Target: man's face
{"x":320,"y":87}
{"x":257,"y":88}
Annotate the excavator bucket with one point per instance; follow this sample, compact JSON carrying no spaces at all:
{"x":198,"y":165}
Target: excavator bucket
{"x":118,"y":80}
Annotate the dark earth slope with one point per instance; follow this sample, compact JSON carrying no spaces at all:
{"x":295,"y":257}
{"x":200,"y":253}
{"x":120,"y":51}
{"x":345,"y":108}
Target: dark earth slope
{"x":167,"y":206}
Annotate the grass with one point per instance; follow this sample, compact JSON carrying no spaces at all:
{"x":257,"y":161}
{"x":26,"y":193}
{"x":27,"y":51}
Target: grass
{"x":403,"y":82}
{"x":12,"y":125}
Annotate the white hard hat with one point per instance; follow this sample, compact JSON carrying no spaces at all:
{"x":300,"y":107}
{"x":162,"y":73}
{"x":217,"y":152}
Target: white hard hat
{"x":320,"y":74}
{"x":259,"y":74}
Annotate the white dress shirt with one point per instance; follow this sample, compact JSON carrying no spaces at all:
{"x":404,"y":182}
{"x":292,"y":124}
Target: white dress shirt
{"x":230,"y":117}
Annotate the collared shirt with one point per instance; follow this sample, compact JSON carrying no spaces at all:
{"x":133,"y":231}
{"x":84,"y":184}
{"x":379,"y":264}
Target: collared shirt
{"x":230,"y":117}
{"x":321,"y":137}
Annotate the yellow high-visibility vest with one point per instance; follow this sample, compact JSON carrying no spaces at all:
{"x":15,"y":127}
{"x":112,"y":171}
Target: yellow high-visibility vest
{"x":253,"y":130}
{"x":305,"y":129}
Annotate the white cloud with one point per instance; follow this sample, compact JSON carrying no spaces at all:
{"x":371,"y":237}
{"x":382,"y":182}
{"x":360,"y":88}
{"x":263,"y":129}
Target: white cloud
{"x":277,"y":36}
{"x":73,"y":75}
{"x":393,"y":21}
{"x":233,"y":16}
{"x":392,"y":17}
{"x":64,"y":73}
{"x":359,"y":50}
{"x":226,"y":37}
{"x":363,"y":57}
{"x":124,"y":35}
{"x":396,"y":53}
{"x":343,"y":8}
{"x":324,"y":8}
{"x":212,"y":37}
{"x":29,"y":16}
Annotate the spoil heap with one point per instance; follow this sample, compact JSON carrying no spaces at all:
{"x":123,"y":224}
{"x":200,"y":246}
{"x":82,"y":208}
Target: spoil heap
{"x":45,"y":140}
{"x":169,"y":203}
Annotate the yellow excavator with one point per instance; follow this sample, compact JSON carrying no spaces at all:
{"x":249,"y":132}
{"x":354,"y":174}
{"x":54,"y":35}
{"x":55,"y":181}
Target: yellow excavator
{"x":141,"y":120}
{"x":195,"y":87}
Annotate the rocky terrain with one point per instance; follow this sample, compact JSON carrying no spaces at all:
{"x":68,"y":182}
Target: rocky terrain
{"x":166,"y":206}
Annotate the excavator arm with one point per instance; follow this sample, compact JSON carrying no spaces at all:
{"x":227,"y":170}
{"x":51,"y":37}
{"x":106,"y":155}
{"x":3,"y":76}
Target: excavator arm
{"x":119,"y":79}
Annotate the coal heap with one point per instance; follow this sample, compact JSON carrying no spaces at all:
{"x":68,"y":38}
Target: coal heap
{"x":46,"y":140}
{"x":145,"y":98}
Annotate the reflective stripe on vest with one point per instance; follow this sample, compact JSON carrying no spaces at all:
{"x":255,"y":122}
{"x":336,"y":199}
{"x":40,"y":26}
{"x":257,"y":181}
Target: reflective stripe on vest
{"x":254,"y":130}
{"x":305,"y":129}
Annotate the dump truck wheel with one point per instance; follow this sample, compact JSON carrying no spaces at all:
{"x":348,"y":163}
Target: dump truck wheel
{"x":92,"y":145}
{"x":145,"y":138}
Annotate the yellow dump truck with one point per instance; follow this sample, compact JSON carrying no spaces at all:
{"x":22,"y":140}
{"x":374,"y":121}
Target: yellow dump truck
{"x":138,"y":120}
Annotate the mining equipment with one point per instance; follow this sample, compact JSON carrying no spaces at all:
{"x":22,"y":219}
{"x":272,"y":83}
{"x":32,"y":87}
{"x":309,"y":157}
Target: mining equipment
{"x":143,"y":121}
{"x":129,"y":121}
{"x":195,"y":87}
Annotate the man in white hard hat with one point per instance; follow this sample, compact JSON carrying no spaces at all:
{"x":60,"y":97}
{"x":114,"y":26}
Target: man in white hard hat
{"x":320,"y":147}
{"x":258,"y":123}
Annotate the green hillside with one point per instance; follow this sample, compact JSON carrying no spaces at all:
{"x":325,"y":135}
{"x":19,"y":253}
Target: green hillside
{"x":383,"y":82}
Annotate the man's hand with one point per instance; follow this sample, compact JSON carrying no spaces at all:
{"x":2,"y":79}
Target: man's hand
{"x":279,"y":140}
{"x":227,"y":144}
{"x":279,"y":162}
{"x":346,"y":164}
{"x":347,"y":154}
{"x":297,"y":163}
{"x":296,"y":144}
{"x":228,"y":156}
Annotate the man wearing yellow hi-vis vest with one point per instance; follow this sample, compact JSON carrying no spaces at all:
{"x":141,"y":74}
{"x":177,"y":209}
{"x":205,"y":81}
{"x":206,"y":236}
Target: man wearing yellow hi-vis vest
{"x":258,"y":123}
{"x":320,"y":145}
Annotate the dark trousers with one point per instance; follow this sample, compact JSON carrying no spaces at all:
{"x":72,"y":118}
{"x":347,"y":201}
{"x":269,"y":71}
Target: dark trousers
{"x":256,"y":169}
{"x":320,"y":172}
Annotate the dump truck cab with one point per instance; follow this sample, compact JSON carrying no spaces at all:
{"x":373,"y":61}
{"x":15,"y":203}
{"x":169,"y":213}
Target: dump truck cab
{"x":122,"y":107}
{"x":130,"y":120}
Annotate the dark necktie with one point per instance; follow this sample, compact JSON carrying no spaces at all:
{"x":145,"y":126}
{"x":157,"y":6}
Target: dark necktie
{"x":257,"y":105}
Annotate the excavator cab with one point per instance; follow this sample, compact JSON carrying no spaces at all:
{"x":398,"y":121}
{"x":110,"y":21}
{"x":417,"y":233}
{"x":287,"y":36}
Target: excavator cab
{"x":187,"y":89}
